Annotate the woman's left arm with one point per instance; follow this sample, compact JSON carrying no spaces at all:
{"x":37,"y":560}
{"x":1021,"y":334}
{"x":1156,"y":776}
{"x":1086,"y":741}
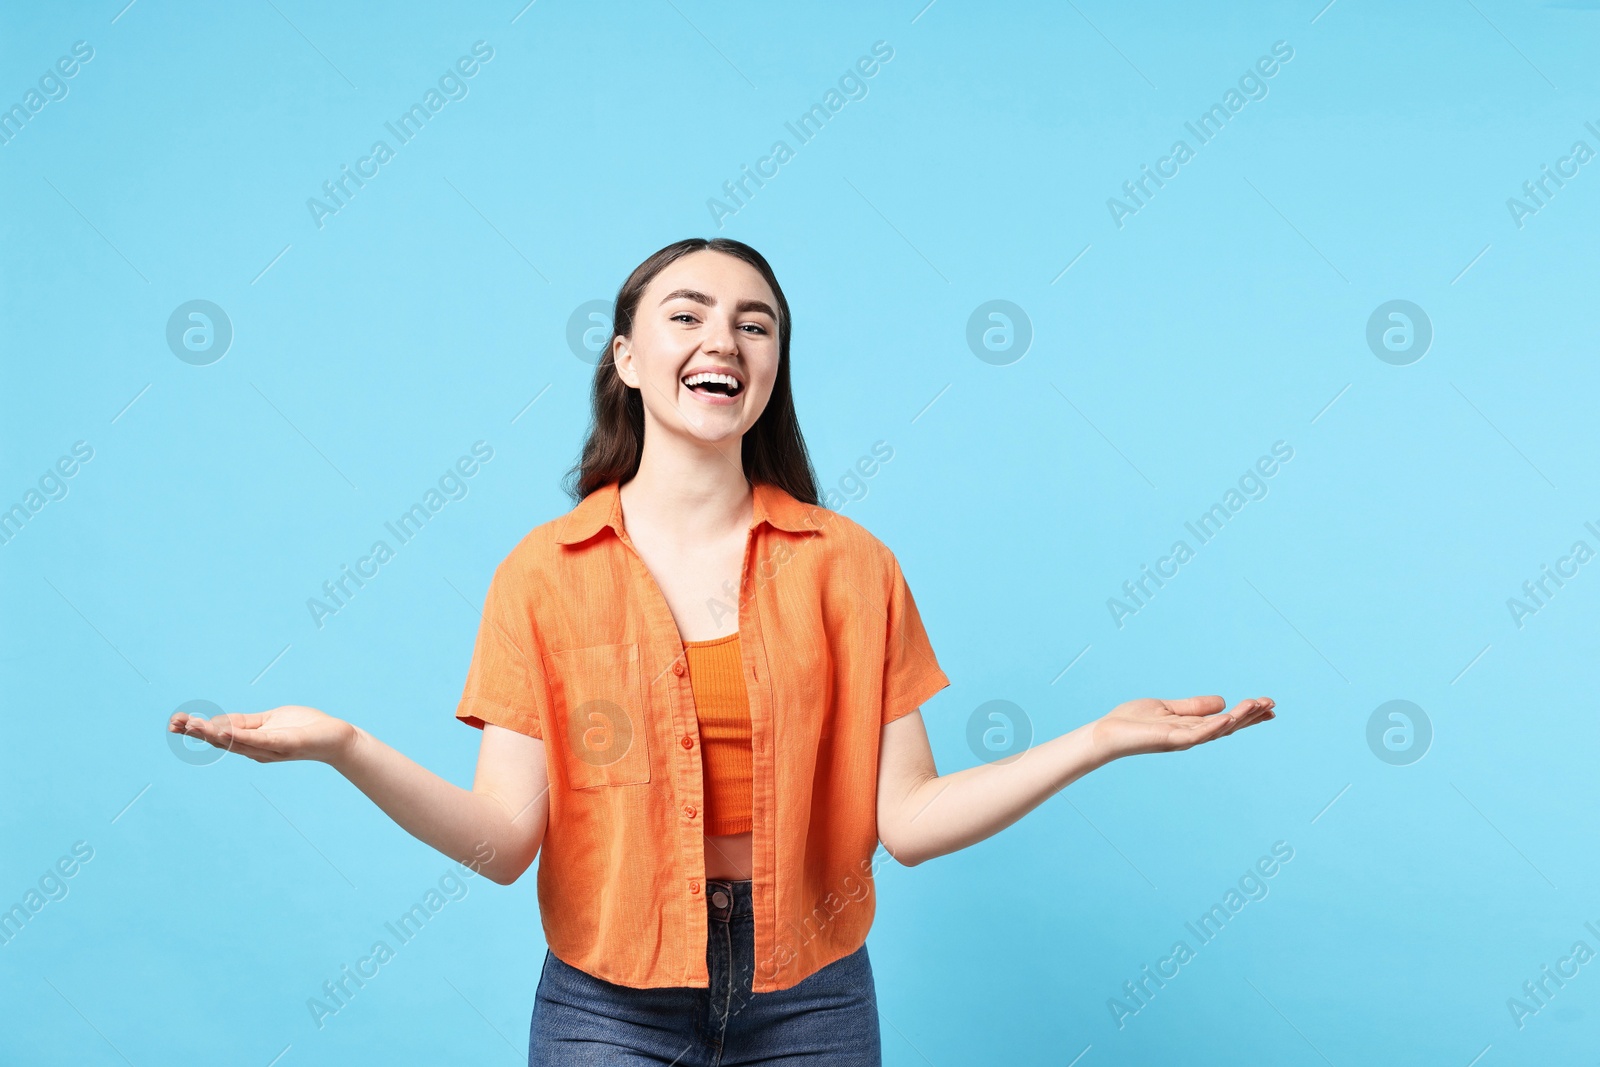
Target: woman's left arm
{"x":923,"y":814}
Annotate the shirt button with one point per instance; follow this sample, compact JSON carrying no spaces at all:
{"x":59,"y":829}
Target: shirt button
{"x":688,"y":811}
{"x":694,"y":887}
{"x":688,"y":742}
{"x":677,"y":668}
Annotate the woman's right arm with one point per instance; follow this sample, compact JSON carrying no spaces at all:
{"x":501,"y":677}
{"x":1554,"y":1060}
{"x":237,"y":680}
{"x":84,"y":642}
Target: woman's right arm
{"x":496,"y":827}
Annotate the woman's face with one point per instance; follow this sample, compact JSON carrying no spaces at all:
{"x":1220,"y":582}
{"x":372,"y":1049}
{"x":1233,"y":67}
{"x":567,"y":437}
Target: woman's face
{"x":707,"y":311}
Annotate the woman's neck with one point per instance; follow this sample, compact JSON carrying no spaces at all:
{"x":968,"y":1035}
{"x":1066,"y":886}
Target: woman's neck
{"x":687,"y":500}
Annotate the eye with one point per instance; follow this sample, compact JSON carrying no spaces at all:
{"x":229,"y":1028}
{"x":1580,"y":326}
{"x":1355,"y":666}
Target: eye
{"x":682,"y":315}
{"x":757,"y":327}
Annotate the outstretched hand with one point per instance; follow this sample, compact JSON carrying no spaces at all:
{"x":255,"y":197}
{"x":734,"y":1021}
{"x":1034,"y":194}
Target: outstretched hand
{"x":1147,"y":725}
{"x":287,"y":733}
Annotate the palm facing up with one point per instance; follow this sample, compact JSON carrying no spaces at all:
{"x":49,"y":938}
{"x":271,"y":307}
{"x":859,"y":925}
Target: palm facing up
{"x":287,"y":733}
{"x":1147,"y":725}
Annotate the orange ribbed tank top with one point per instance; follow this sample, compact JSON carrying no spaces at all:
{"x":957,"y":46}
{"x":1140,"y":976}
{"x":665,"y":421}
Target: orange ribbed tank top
{"x":722,"y":707}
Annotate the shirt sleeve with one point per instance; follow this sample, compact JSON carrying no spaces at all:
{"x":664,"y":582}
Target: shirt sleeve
{"x":505,"y":681}
{"x":911,"y":674}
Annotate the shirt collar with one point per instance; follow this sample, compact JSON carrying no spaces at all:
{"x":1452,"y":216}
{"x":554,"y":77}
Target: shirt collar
{"x":603,"y":508}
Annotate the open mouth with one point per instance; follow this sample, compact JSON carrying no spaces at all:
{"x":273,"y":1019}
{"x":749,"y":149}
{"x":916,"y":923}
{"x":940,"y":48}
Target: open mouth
{"x":714,"y":384}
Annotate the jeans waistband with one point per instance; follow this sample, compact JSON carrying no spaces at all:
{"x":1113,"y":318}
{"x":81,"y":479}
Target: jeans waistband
{"x":728,"y":900}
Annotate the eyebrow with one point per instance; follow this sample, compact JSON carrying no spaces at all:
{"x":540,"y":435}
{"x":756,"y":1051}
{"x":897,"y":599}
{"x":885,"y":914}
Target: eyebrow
{"x":709,"y":301}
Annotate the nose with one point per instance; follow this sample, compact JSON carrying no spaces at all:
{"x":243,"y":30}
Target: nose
{"x":720,"y":336}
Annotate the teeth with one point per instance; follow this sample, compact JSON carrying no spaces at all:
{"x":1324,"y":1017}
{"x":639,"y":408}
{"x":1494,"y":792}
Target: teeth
{"x":707,"y":376}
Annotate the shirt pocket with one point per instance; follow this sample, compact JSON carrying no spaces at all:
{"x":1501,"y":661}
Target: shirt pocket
{"x":598,"y":698}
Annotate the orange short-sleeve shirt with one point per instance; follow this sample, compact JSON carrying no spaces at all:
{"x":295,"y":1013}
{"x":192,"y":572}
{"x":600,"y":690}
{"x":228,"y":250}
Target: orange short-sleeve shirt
{"x":578,"y":647}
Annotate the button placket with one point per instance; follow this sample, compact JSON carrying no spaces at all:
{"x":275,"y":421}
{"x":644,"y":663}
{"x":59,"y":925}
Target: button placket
{"x":762,"y":817}
{"x":690,"y":786}
{"x":686,"y":781}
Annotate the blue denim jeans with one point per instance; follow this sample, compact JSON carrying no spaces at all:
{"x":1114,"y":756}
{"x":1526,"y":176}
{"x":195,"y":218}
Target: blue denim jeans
{"x":831,"y":1017}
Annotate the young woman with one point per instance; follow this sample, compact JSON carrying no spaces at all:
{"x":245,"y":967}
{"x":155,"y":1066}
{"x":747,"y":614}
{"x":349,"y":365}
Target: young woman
{"x":699,"y":695}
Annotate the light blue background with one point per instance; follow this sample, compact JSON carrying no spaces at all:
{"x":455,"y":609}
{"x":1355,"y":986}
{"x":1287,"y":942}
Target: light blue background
{"x":1228,"y":314}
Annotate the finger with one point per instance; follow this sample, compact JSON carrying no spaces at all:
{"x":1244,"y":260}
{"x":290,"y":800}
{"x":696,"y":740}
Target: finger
{"x":1206,"y":725}
{"x":1266,"y":716}
{"x":250,"y":720}
{"x":1258,"y":712}
{"x":1209,"y":729}
{"x":1265,"y":709}
{"x":199,"y":729}
{"x":218,"y":733}
{"x":1236,"y":725}
{"x":259,"y":740}
{"x":260,"y":755}
{"x":194,"y":727}
{"x":1208,"y":705}
{"x":1198,"y":733}
{"x":1243,"y":710}
{"x":245,"y":742}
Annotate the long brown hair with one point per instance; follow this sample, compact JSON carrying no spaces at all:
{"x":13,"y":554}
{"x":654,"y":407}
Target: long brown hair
{"x":773,"y":452}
